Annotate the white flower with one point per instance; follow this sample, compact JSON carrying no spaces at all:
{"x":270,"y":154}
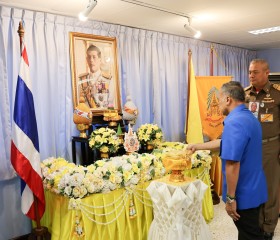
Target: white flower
{"x":77,"y":182}
{"x":68,"y":191}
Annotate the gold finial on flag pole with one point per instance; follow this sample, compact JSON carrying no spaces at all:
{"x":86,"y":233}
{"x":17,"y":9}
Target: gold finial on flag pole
{"x":21,"y":34}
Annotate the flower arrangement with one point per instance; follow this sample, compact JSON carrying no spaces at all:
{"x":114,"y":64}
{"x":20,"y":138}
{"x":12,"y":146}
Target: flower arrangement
{"x":201,"y":157}
{"x":149,"y":133}
{"x":62,"y":177}
{"x":105,"y":140}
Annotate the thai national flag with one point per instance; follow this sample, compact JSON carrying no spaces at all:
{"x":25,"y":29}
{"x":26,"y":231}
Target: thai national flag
{"x":25,"y":156}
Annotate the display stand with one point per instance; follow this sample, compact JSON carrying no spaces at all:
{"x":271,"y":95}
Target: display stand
{"x":177,"y":210}
{"x":86,"y":151}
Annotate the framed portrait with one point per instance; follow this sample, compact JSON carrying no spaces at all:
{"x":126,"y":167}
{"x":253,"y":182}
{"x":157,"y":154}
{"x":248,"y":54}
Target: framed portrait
{"x":94,"y":68}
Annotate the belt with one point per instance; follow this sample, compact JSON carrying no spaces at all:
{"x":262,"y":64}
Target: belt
{"x":270,"y":139}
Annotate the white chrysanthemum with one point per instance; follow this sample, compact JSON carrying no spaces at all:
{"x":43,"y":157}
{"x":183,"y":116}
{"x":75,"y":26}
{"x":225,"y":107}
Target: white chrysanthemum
{"x":118,"y":178}
{"x":91,"y":188}
{"x":98,"y":173}
{"x":68,"y":191}
{"x":127,"y":167}
{"x":112,"y":186}
{"x":134,"y":179}
{"x":83,"y":192}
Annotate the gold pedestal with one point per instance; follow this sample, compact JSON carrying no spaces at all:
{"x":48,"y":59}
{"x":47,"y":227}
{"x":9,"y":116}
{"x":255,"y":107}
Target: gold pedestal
{"x":112,"y":124}
{"x":112,"y":116}
{"x":150,"y":146}
{"x":176,"y":176}
{"x":82,"y":128}
{"x":104,"y":154}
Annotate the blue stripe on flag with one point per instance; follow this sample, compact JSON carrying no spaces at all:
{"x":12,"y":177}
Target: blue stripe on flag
{"x":22,"y":186}
{"x":24,"y":112}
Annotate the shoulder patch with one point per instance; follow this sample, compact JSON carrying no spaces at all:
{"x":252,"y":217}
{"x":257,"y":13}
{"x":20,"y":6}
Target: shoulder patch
{"x":106,"y":75}
{"x":248,"y":88}
{"x":276,"y":86}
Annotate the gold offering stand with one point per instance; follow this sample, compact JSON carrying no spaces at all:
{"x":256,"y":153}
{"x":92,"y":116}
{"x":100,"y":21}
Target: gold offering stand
{"x":112,"y":116}
{"x":177,"y":161}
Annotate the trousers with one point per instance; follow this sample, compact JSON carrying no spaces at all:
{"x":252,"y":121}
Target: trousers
{"x":269,"y":212}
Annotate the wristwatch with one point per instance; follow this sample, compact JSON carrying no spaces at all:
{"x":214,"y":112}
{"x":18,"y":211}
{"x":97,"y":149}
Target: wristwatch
{"x":230,"y":199}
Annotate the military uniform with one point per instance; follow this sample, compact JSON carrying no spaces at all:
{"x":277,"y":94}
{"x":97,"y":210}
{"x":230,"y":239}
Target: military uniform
{"x":97,"y":89}
{"x":269,"y":116}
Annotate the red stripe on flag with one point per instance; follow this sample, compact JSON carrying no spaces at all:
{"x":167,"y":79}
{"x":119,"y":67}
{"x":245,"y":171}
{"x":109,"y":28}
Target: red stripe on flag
{"x":24,"y":56}
{"x":34,"y":181}
{"x":31,"y":213}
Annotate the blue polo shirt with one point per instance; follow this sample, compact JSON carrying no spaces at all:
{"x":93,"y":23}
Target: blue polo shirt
{"x":242,"y":142}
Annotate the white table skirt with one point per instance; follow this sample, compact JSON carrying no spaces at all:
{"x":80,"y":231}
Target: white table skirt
{"x":178,"y":211}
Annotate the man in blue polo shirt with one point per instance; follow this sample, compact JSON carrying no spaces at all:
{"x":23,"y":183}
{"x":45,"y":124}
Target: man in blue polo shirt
{"x":244,"y":185}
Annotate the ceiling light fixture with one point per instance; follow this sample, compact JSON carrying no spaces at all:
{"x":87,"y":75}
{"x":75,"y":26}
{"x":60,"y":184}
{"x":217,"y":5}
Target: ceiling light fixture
{"x":195,"y":33}
{"x":265,"y":30}
{"x":83,"y":16}
{"x":188,"y":26}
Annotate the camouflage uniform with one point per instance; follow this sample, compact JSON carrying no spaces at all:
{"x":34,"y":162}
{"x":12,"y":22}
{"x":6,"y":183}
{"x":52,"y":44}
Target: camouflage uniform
{"x":268,"y":100}
{"x":97,"y":89}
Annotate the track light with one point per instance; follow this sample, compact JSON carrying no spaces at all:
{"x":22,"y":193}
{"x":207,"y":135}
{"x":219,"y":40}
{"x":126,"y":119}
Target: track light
{"x":84,"y":14}
{"x":195,"y":33}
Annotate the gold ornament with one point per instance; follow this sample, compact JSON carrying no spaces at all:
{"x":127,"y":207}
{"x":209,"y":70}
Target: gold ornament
{"x":177,"y":162}
{"x":82,"y":117}
{"x":132,"y":211}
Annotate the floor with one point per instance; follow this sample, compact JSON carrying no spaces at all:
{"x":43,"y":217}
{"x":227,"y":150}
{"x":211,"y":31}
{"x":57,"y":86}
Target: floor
{"x":222,"y":227}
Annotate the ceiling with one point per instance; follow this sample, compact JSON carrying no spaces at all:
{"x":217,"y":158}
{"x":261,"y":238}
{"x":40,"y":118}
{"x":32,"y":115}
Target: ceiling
{"x":220,"y":21}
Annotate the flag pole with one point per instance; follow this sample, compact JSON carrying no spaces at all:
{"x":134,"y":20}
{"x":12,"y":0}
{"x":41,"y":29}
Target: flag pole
{"x":215,"y":196}
{"x":39,"y":232}
{"x":188,"y":91}
{"x":211,"y":61}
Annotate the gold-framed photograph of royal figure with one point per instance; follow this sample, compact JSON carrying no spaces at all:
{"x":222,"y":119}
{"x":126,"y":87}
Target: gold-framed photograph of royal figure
{"x":94,"y":68}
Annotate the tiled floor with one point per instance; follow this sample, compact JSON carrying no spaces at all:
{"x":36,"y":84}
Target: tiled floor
{"x":223,"y":228}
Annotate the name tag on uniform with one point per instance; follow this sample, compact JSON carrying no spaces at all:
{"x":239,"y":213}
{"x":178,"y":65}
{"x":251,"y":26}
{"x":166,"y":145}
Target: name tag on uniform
{"x":266,"y":117}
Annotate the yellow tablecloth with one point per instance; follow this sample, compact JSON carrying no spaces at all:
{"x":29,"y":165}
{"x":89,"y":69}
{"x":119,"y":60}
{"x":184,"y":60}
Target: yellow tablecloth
{"x":216,"y":173}
{"x":62,"y":223}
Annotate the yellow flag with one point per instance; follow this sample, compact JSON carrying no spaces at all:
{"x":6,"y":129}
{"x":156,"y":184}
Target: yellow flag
{"x":193,"y":125}
{"x":210,"y":114}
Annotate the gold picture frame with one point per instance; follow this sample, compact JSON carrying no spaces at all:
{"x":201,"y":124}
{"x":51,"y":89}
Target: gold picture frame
{"x":94,"y":69}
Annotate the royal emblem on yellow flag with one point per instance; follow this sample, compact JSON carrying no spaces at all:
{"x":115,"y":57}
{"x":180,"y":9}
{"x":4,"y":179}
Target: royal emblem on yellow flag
{"x":208,"y":100}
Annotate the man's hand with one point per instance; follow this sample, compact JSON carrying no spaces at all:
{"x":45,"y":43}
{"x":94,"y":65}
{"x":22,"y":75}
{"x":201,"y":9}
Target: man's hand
{"x":192,"y":147}
{"x":231,"y":210}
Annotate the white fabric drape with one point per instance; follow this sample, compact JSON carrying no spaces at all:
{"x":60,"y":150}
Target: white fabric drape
{"x":177,"y":211}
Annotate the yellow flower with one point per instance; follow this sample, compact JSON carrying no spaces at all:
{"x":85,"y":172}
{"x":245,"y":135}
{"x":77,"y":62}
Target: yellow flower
{"x":135,"y":168}
{"x":104,"y":137}
{"x":112,"y":178}
{"x":104,"y":149}
{"x":100,"y":163}
{"x":127,"y":175}
{"x":149,"y":133}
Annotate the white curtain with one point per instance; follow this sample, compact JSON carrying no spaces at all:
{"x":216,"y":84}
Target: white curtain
{"x":152,"y":69}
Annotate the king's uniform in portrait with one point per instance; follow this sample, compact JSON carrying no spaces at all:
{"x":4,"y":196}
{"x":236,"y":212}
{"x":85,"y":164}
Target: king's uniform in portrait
{"x":97,"y":89}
